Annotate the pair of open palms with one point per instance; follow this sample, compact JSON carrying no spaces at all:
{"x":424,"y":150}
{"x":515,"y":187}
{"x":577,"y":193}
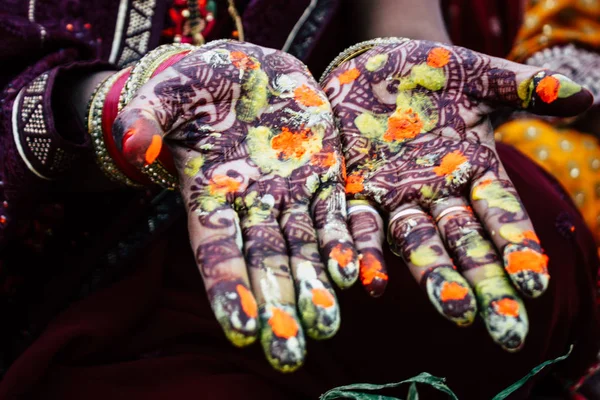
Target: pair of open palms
{"x":267,"y":158}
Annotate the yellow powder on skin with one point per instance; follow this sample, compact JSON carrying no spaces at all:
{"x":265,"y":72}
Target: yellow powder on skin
{"x":193,"y":165}
{"x":376,"y":62}
{"x":425,"y":76}
{"x":423,"y":256}
{"x":496,"y":196}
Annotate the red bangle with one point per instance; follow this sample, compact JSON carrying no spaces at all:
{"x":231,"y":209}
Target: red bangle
{"x":109,"y":114}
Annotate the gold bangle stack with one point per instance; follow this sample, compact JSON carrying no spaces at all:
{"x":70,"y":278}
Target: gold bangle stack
{"x":356,"y":50}
{"x":141,"y":73}
{"x":94,"y":121}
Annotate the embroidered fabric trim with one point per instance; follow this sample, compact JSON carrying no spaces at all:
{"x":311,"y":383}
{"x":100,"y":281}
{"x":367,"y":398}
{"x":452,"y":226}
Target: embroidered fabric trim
{"x":37,"y":143}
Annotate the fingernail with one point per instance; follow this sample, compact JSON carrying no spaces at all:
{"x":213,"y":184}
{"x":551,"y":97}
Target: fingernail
{"x":527,"y":268}
{"x":343,"y":265}
{"x":372,"y":274}
{"x":282,"y":338}
{"x":451,"y":295}
{"x":236,"y":310}
{"x":318,"y":306}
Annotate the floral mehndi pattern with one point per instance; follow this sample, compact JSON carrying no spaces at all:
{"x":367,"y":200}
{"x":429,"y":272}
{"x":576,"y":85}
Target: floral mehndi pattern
{"x":261,"y":169}
{"x":419,"y":147}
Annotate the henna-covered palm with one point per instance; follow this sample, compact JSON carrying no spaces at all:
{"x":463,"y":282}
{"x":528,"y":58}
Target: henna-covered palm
{"x":419,"y":146}
{"x":260,"y":169}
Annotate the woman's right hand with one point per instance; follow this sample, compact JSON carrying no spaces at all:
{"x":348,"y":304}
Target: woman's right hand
{"x":260,"y":169}
{"x":419,"y":147}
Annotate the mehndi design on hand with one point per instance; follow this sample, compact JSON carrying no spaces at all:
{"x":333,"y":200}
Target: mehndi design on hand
{"x":261,"y":171}
{"x":419,"y":146}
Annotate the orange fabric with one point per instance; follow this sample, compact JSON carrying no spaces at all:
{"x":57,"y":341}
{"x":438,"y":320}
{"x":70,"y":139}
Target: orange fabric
{"x":552,"y":22}
{"x":572,"y":157}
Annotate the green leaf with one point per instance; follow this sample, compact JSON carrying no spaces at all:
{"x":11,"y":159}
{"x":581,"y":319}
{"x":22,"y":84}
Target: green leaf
{"x":350,"y":391}
{"x":512,"y":388}
{"x":413,"y":394}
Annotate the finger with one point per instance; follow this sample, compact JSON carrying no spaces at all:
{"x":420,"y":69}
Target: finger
{"x":501,"y":308}
{"x":319,"y":309}
{"x":537,"y":90}
{"x":498,"y":206}
{"x":265,"y":249}
{"x":413,"y":236}
{"x":329,"y":212}
{"x":366,"y":227}
{"x":216,"y":237}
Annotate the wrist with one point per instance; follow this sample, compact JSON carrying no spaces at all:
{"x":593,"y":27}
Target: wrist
{"x":110,"y":97}
{"x":421,"y":20}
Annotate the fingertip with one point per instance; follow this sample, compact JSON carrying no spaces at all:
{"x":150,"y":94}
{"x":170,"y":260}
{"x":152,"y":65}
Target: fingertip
{"x":342,"y":264}
{"x":373,"y":274}
{"x":235,"y":308}
{"x":451,"y":295}
{"x":507,"y":323}
{"x":317,"y":304}
{"x":138,"y":136}
{"x":377,"y":287}
{"x":320,"y":315}
{"x":556,"y":95}
{"x":282,"y":337}
{"x":527,"y":268}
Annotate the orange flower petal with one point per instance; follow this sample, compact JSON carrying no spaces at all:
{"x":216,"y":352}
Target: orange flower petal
{"x":322,"y":297}
{"x":341,"y":255}
{"x":307,"y":97}
{"x":527,"y":261}
{"x":223,"y":184}
{"x":290,"y":144}
{"x":283,"y":324}
{"x":354,"y":183}
{"x":371,"y":269}
{"x":403,"y":125}
{"x":153,"y":150}
{"x":506,"y":307}
{"x":438,"y":57}
{"x":453,"y":291}
{"x":243,"y":61}
{"x":547,"y":89}
{"x":248,"y":302}
{"x":450,"y":162}
{"x":349,"y":76}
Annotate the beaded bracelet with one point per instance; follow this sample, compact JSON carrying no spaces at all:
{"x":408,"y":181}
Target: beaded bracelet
{"x":95,"y":129}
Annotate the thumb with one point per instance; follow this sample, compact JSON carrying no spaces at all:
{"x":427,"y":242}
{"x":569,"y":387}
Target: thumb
{"x":138,"y":135}
{"x":534,"y":89}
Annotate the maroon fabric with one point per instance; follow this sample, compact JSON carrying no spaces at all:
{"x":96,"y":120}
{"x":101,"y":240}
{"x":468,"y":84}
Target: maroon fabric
{"x":153,"y":336}
{"x":488,"y":26}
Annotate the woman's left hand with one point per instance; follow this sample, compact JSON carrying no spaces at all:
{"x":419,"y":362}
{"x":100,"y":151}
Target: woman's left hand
{"x":419,"y":146}
{"x":260,"y":169}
